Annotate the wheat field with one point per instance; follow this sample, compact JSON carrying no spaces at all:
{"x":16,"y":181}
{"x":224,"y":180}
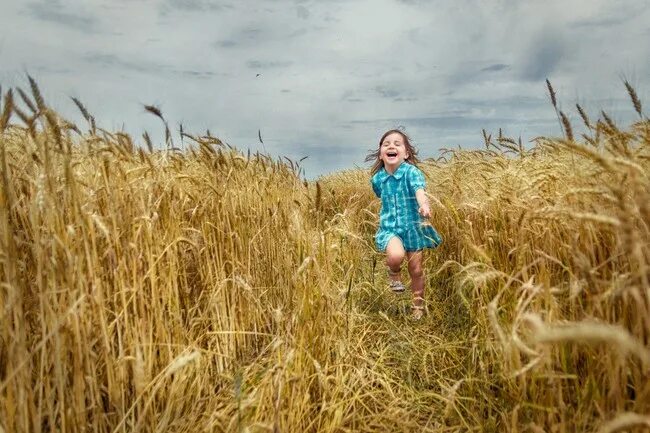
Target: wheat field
{"x":208,"y":290}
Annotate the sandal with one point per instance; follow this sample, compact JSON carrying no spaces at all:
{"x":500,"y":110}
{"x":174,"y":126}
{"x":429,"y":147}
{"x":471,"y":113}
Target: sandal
{"x":417,"y":311}
{"x":395,"y":286}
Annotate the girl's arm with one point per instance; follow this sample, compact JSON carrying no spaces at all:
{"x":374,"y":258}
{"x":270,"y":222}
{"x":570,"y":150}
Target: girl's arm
{"x":418,"y":185}
{"x":423,"y":202}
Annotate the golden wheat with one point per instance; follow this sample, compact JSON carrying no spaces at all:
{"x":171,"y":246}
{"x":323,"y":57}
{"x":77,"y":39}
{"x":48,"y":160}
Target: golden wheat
{"x":208,"y":290}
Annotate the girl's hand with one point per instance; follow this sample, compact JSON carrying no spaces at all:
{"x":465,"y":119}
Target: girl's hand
{"x":424,"y":211}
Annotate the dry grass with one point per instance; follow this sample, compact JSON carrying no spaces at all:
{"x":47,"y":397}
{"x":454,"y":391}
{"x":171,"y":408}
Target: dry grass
{"x":207,"y":290}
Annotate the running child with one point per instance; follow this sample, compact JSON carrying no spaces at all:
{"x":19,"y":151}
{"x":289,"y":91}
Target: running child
{"x":403,"y":230}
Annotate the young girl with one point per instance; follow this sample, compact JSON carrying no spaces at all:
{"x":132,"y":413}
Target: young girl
{"x":404,"y":205}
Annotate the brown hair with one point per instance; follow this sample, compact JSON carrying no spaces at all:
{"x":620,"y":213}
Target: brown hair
{"x":373,"y":155}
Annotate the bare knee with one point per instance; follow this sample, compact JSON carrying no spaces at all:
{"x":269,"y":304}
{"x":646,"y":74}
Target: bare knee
{"x":415,"y":271}
{"x":395,"y":253}
{"x":394,"y":259}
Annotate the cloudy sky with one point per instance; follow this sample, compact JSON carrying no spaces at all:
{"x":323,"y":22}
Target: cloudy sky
{"x":325,"y":78}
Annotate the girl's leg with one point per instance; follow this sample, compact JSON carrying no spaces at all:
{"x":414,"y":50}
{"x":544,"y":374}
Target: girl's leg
{"x":394,"y":256}
{"x":417,"y":278}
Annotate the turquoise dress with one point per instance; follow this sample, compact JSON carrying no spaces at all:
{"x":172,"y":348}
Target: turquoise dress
{"x":399,"y":209}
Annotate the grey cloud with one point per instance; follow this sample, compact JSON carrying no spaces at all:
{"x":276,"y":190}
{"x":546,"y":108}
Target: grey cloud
{"x":298,"y":33}
{"x":111,"y":60}
{"x":465,"y":104}
{"x":302,"y":12}
{"x":228,"y":43}
{"x":52,"y":71}
{"x":457,"y":122}
{"x":257,"y":64}
{"x":495,"y":68}
{"x":386,"y":92}
{"x":617,"y":15}
{"x":543,"y":56}
{"x":244,"y":37}
{"x":145,"y":67}
{"x":330,"y":19}
{"x":349,"y":96}
{"x":54,"y":12}
{"x":445,"y":122}
{"x":381,"y":91}
{"x":198,"y":5}
{"x":202,"y":75}
{"x":466,"y":72}
{"x":415,"y":2}
{"x":251,"y":33}
{"x":603,"y":22}
{"x":419,"y":35}
{"x":474,"y":72}
{"x":197,"y":74}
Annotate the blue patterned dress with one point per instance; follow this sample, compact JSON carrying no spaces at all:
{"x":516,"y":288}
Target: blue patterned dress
{"x":399,"y":209}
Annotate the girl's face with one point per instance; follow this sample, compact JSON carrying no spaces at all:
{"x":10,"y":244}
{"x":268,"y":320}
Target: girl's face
{"x":393,"y":151}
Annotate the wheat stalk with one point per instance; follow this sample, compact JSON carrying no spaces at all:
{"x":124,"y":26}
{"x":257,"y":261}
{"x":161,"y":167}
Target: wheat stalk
{"x":584,"y":116}
{"x":625,"y":421}
{"x":6,"y":111}
{"x":635,"y":99}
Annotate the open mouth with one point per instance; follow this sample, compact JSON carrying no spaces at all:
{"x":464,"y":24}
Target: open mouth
{"x":391,"y":154}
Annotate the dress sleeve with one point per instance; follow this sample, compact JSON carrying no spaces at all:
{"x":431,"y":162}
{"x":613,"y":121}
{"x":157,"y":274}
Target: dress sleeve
{"x":416,"y":180}
{"x":375,"y":186}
